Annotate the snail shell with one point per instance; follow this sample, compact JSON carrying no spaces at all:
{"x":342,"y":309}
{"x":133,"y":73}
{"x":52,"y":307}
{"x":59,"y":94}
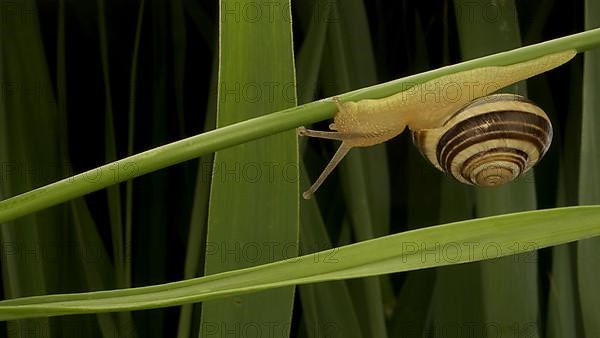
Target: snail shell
{"x":488,"y":142}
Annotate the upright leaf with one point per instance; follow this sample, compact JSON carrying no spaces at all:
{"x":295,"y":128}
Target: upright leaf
{"x":510,"y":289}
{"x":29,"y":157}
{"x":254,"y":211}
{"x":588,"y":252}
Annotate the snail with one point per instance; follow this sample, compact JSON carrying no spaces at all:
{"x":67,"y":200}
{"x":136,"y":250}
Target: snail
{"x":490,"y":141}
{"x":478,"y":138}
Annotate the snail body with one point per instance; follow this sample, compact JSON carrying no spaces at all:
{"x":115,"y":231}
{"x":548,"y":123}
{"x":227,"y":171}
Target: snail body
{"x":430,"y":110}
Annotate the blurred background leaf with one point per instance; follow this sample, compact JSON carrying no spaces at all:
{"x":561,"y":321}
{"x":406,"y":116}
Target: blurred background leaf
{"x":589,"y":183}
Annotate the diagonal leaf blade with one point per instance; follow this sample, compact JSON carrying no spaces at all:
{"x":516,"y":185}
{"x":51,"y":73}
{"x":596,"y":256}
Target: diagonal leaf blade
{"x":453,"y":243}
{"x":255,"y":128}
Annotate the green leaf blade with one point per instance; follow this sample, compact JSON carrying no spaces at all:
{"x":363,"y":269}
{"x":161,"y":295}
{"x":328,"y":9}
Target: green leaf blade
{"x":480,"y":239}
{"x":588,"y":251}
{"x":254,"y":202}
{"x":263,"y":126}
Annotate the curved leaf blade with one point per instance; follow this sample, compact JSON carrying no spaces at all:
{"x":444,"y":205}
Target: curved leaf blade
{"x":452,"y":243}
{"x":252,"y":129}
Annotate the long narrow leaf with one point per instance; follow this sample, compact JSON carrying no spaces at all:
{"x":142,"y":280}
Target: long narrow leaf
{"x":588,"y":252}
{"x":453,"y":243}
{"x":505,"y":281}
{"x":253,"y":209}
{"x":258,"y":127}
{"x":349,"y":63}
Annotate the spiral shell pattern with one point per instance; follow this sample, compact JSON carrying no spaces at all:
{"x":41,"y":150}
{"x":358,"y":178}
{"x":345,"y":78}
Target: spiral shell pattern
{"x":488,"y":142}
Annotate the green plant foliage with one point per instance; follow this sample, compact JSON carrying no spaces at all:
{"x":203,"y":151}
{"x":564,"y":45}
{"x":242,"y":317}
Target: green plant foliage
{"x":589,"y":184}
{"x":253,"y":216}
{"x":248,"y":130}
{"x":504,"y":282}
{"x":141,"y":153}
{"x":452,"y":243}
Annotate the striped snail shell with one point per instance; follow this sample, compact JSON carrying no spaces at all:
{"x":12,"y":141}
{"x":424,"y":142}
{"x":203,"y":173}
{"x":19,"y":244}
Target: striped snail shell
{"x":488,"y":142}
